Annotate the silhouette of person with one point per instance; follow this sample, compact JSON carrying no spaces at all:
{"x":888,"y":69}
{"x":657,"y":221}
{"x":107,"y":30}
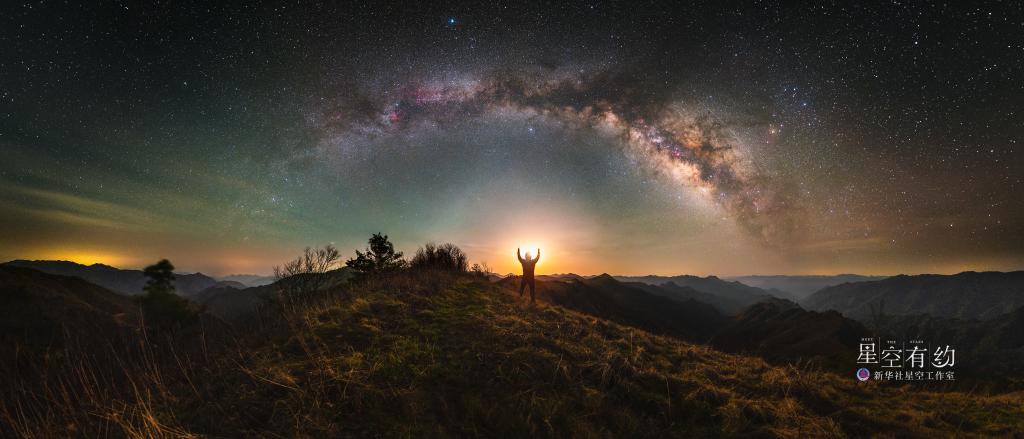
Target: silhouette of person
{"x":528,"y":265}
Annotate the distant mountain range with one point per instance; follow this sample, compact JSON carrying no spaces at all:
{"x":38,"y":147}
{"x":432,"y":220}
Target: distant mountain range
{"x":800,"y":287}
{"x":968,"y":295}
{"x":100,"y":285}
{"x":127,"y":282}
{"x":249,"y":280}
{"x":965,"y":296}
{"x":603,"y":296}
{"x":729,"y":297}
{"x":989,"y":347}
{"x":724,"y":305}
{"x":728,"y":315}
{"x":781,"y":331}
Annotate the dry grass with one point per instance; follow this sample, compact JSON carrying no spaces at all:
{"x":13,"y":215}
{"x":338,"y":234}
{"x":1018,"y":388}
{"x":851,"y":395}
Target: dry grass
{"x":114,"y":384}
{"x":441,"y":355}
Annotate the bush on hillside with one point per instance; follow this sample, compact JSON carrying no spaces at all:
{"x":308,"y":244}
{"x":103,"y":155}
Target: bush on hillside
{"x":443,"y":257}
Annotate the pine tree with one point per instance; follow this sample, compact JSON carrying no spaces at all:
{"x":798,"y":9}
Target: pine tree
{"x":379,"y":257}
{"x":161,"y":307}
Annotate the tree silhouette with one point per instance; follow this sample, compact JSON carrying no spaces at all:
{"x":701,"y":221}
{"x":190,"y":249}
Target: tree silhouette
{"x":481,"y":269}
{"x":444,"y":257}
{"x":161,"y":278}
{"x":379,"y":257}
{"x":308,"y":273}
{"x":161,"y":307}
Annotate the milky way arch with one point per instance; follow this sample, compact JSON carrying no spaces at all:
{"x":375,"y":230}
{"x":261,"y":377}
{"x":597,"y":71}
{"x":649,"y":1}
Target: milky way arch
{"x":694,"y":148}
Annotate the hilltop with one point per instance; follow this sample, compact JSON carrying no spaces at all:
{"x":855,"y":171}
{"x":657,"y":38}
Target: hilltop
{"x":439,"y":354}
{"x":460,"y":356}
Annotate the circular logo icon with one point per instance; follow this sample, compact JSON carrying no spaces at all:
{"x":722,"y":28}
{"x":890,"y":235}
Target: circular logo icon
{"x":863,"y":374}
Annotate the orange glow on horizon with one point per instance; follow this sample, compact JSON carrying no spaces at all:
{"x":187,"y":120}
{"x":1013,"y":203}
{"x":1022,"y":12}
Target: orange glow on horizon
{"x":81,"y":256}
{"x":224,"y":261}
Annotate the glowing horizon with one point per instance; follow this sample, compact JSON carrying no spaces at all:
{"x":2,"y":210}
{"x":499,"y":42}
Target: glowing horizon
{"x":552,"y":262}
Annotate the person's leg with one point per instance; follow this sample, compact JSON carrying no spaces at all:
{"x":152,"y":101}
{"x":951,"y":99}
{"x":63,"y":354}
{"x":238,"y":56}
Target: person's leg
{"x":522,"y":284}
{"x":533,"y":286}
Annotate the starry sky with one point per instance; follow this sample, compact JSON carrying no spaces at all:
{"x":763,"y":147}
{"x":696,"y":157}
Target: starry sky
{"x":622,"y":137}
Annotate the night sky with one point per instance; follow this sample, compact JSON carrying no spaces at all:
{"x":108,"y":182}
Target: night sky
{"x":628,"y":137}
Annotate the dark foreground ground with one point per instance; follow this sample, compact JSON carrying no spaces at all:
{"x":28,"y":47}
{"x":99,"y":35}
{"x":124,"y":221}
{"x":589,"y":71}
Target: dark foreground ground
{"x":415,"y":354}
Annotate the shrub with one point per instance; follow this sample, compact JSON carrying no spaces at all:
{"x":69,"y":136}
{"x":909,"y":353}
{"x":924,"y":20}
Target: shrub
{"x":444,"y":257}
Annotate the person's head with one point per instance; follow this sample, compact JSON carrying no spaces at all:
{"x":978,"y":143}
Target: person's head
{"x":528,"y":255}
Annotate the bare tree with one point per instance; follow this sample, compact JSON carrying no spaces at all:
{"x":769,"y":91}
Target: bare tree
{"x":481,"y":269}
{"x":308,"y":273}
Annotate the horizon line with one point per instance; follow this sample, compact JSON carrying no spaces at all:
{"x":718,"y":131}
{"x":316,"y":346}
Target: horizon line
{"x":720,"y":276}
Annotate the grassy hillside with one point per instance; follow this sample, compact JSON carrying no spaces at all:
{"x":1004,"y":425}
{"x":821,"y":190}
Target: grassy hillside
{"x":36,"y":308}
{"x":411,"y":356}
{"x":454,"y":355}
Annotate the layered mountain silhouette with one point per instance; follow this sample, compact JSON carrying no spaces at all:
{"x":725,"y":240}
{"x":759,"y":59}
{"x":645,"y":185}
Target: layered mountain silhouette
{"x":724,"y":305}
{"x":128,"y":282}
{"x":992,"y":347}
{"x":800,"y":287}
{"x":781,"y":331}
{"x":248,"y":280}
{"x":775,"y":329}
{"x":968,"y":295}
{"x":603,"y":296}
{"x":560,"y":277}
{"x":40,"y":310}
{"x":728,"y":297}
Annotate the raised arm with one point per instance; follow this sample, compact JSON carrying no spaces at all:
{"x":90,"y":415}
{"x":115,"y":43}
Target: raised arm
{"x":538,"y":255}
{"x":520,"y":256}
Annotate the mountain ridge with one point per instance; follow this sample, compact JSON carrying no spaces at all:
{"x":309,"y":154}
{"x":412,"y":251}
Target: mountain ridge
{"x":965,"y":295}
{"x":124,"y":281}
{"x":800,"y":286}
